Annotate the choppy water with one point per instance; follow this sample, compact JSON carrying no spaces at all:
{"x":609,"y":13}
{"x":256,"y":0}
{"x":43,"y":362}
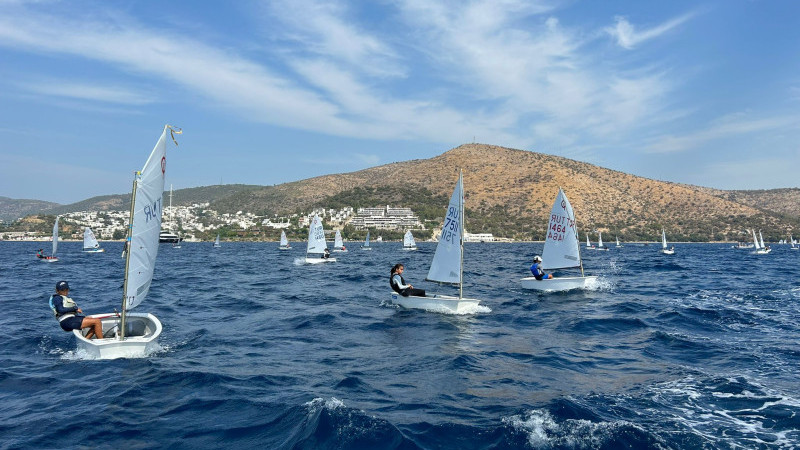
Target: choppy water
{"x":696,"y":350}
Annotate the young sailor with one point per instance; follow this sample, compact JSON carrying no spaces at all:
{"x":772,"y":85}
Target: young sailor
{"x":537,"y":270}
{"x":399,"y":284}
{"x":69,"y":316}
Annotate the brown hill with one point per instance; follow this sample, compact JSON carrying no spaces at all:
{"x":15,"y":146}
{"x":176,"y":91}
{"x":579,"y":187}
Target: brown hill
{"x":509,"y":192}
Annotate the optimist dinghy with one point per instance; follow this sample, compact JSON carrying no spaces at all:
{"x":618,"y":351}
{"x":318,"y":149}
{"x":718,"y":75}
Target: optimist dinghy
{"x":316,"y":243}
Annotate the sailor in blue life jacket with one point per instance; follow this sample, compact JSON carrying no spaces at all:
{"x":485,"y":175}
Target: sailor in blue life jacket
{"x":399,"y":284}
{"x":69,"y":316}
{"x":536,"y":268}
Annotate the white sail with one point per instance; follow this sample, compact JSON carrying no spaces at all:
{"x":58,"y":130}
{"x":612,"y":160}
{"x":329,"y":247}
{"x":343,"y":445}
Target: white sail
{"x":446,"y":264}
{"x":316,"y":236}
{"x":561,"y":247}
{"x":89,"y":241}
{"x":337,"y":240}
{"x":663,"y":239}
{"x":617,"y":241}
{"x":408,"y":240}
{"x":755,"y":239}
{"x":284,"y":239}
{"x":366,"y":241}
{"x":55,"y":237}
{"x":599,"y":238}
{"x":588,"y":244}
{"x":216,"y":241}
{"x":146,"y":224}
{"x":759,"y":235}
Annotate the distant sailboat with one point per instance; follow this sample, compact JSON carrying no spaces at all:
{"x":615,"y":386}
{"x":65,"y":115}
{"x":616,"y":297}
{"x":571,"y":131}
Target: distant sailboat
{"x":130,"y":334}
{"x":316,"y":243}
{"x":216,"y":242}
{"x":618,"y":244}
{"x":408,"y":241}
{"x":338,"y":244}
{"x":760,"y":248}
{"x":90,"y":244}
{"x":793,"y":243}
{"x":664,"y":249}
{"x":448,"y":263}
{"x":52,"y":257}
{"x":561,"y":250}
{"x":600,"y":245}
{"x":284,"y":242}
{"x":588,"y":243}
{"x":366,"y":243}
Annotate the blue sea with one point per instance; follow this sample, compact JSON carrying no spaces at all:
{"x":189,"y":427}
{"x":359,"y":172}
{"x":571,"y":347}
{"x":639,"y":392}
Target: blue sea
{"x":693,"y":351}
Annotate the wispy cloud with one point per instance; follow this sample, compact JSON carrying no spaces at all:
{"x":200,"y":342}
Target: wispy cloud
{"x":735,"y":125}
{"x":94,"y":92}
{"x":627,"y":37}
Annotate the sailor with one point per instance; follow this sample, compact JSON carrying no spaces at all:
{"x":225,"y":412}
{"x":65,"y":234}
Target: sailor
{"x":399,"y":284}
{"x":39,"y":253}
{"x":326,"y":253}
{"x":69,"y":316}
{"x":537,"y":270}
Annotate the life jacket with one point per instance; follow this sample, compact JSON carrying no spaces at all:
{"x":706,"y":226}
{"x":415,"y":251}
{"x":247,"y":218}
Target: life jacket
{"x":394,"y":285}
{"x":67,"y":303}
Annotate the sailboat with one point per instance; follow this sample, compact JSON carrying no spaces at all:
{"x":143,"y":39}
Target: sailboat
{"x":618,"y":244}
{"x":52,"y":257}
{"x":366,"y":243}
{"x":561,"y":250}
{"x":664,"y":249}
{"x":216,"y":242}
{"x":408,"y":241}
{"x":600,"y":245}
{"x":284,"y":242}
{"x":760,"y":248}
{"x":131,"y":334}
{"x":90,"y":244}
{"x":588,"y":243}
{"x":793,"y":243}
{"x":338,"y":245}
{"x":448,"y":262}
{"x":316,"y":243}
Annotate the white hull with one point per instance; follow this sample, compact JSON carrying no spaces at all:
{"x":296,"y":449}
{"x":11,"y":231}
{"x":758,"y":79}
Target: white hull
{"x":668,"y":252}
{"x":284,"y":248}
{"x":366,"y":248}
{"x":94,"y":250}
{"x":53,"y":259}
{"x":336,"y":250}
{"x":143,"y":330}
{"x":319,"y":260}
{"x":763,"y":251}
{"x":602,"y":249}
{"x":440,"y":303}
{"x":558,"y":284}
{"x":409,"y":248}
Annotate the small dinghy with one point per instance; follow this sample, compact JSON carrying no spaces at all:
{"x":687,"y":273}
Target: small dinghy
{"x":317,"y":245}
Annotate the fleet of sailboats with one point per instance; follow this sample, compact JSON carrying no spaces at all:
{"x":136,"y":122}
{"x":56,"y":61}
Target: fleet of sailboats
{"x":90,"y":244}
{"x":130,"y":334}
{"x":561,"y":250}
{"x":447,"y":265}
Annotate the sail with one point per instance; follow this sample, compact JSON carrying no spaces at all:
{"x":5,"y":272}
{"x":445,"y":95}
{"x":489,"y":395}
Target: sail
{"x":284,"y":240}
{"x":55,"y":237}
{"x":759,"y":235}
{"x":663,"y":239}
{"x":561,"y":244}
{"x":599,"y":239}
{"x":216,"y":242}
{"x":408,"y":239}
{"x":446,"y":264}
{"x":588,"y":244}
{"x":337,"y":240}
{"x":366,"y":241}
{"x":316,"y":236}
{"x":755,"y":239}
{"x":89,"y":241}
{"x":146,"y":224}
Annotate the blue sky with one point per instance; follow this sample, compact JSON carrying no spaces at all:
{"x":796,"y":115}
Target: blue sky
{"x":705,"y":93}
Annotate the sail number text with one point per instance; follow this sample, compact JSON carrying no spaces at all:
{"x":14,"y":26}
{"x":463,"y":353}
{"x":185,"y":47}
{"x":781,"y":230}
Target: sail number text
{"x":451,"y":231}
{"x":152,"y":211}
{"x":559,"y":225}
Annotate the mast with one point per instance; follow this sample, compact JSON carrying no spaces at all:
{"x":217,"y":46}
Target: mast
{"x":128,"y":243}
{"x":461,"y":237}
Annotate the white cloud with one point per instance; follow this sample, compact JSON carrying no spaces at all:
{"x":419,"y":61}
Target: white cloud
{"x":94,"y":92}
{"x":627,"y":37}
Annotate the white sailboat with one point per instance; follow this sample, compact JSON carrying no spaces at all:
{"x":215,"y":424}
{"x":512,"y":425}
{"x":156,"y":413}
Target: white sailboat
{"x":618,"y":244}
{"x":90,"y":244}
{"x":167,"y":235}
{"x":561,"y":251}
{"x":793,"y":243}
{"x":664,"y":249}
{"x":408,"y":241}
{"x":588,"y":243}
{"x":131,"y":334}
{"x":284,"y":245}
{"x":338,"y":245}
{"x":600,"y":245}
{"x":366,"y":243}
{"x":216,"y":242}
{"x":760,"y":248}
{"x":52,"y":257}
{"x":448,"y":261}
{"x":316,"y":243}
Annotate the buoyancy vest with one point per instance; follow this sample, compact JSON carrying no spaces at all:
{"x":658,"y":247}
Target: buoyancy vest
{"x":395,"y":287}
{"x":67,"y":303}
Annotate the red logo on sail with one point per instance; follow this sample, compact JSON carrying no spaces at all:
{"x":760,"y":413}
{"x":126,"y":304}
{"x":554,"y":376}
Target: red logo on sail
{"x":163,"y":164}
